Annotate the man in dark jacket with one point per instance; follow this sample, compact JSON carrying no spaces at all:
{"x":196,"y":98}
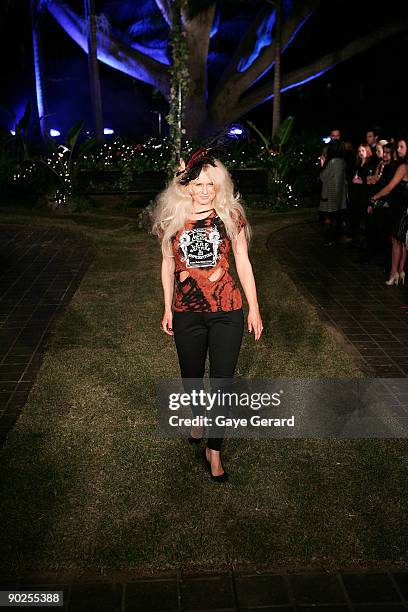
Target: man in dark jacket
{"x":372,"y":138}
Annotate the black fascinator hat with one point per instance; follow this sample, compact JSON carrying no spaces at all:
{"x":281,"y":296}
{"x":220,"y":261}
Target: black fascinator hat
{"x":214,"y":148}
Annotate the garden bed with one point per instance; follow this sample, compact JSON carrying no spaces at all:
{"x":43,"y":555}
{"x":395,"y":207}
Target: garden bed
{"x":106,"y":182}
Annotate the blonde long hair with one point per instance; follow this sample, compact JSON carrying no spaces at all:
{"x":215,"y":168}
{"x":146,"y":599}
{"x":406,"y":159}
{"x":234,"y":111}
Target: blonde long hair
{"x":174,"y":206}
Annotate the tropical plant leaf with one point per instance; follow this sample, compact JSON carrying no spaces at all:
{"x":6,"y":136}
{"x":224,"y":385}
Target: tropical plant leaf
{"x":285,"y":131}
{"x":87,"y":146}
{"x":74,"y":133}
{"x":264,"y":139}
{"x":51,"y":144}
{"x":25,"y":119}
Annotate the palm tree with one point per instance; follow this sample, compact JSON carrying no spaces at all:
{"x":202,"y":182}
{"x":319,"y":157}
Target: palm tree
{"x":277,"y":79}
{"x":95,"y":85}
{"x":36,"y":15}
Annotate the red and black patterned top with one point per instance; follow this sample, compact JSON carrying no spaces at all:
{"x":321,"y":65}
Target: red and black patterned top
{"x":201,"y":248}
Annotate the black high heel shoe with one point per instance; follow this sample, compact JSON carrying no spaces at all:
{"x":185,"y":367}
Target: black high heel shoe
{"x":221,"y":478}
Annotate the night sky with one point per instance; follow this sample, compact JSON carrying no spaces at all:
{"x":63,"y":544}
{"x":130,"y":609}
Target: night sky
{"x":366,"y":90}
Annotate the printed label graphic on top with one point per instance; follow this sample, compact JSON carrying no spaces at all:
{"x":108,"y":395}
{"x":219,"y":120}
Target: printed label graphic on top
{"x":200,"y":247}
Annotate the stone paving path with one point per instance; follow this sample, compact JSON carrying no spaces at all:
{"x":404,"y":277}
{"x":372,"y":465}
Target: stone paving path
{"x":40,"y":270}
{"x":235,"y":592}
{"x":351,"y":296}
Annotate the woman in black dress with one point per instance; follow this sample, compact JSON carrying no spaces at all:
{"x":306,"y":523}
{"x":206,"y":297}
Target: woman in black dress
{"x":358,"y":193}
{"x":397,"y":190}
{"x":379,"y":220}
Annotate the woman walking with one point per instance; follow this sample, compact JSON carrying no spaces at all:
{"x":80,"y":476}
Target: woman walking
{"x":198,"y":218}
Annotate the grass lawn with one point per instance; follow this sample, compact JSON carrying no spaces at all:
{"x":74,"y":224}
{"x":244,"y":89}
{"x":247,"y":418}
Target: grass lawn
{"x":88,"y":487}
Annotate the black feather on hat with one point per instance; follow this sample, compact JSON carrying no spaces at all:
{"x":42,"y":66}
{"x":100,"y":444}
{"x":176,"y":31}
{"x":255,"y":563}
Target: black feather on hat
{"x":215,"y":147}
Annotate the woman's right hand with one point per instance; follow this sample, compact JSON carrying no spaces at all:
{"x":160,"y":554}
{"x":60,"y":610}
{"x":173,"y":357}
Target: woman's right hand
{"x":167,"y":323}
{"x":255,"y":322}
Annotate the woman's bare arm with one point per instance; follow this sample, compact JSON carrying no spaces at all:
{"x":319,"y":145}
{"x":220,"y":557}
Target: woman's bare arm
{"x":398,"y":176}
{"x":167,"y":277}
{"x":246,"y":277}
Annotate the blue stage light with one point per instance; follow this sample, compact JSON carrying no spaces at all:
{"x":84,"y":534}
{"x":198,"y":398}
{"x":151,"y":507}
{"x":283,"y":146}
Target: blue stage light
{"x":235,"y":131}
{"x":108,"y":131}
{"x":54,"y":132}
{"x":326,"y":139}
{"x":13,"y":132}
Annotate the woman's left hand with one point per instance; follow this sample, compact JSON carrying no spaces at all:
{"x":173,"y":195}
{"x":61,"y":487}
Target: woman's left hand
{"x":255,"y":323}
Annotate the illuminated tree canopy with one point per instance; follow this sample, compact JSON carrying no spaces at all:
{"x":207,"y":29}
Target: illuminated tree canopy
{"x":231,"y":52}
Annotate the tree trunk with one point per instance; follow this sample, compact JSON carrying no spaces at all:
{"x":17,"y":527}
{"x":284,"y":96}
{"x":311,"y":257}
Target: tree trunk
{"x":276,"y":119}
{"x":39,"y":69}
{"x":196,"y":120}
{"x":93,"y":67}
{"x":198,"y":39}
{"x":235,"y":95}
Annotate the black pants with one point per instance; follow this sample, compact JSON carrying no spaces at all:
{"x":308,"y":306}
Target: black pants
{"x":221,"y":334}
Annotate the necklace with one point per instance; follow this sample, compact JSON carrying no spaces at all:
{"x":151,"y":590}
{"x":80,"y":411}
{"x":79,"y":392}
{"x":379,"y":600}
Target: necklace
{"x":203,"y":211}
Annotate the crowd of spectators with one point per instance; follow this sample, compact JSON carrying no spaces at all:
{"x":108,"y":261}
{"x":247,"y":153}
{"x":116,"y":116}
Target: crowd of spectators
{"x":364,"y":198}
